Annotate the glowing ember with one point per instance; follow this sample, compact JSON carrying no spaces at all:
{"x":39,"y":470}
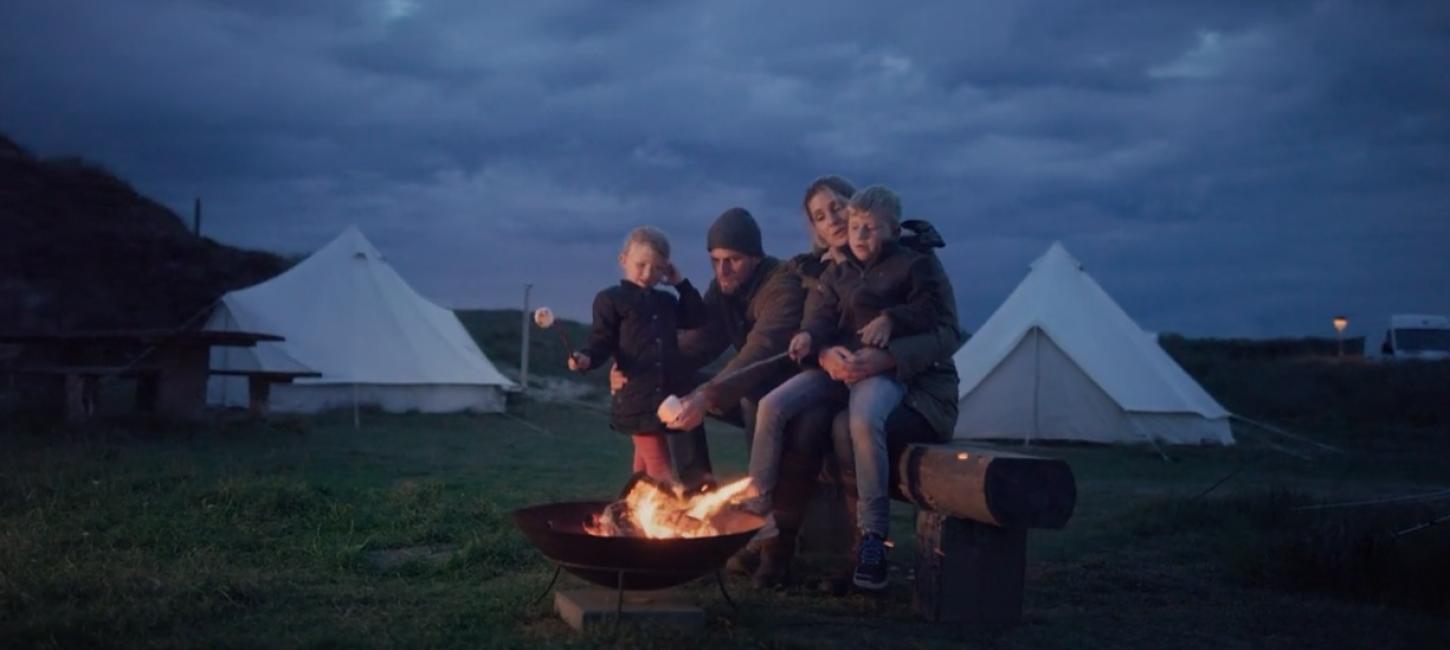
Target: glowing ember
{"x":659,"y":511}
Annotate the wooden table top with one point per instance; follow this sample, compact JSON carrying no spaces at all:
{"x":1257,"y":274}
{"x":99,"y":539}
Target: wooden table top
{"x":140,"y":337}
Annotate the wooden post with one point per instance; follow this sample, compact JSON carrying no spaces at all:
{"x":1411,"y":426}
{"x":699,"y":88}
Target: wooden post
{"x":524,"y":344}
{"x":968,"y":572}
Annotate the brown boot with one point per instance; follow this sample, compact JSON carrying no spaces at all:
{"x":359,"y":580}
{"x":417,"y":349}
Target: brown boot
{"x":776,"y":554}
{"x":745,"y":560}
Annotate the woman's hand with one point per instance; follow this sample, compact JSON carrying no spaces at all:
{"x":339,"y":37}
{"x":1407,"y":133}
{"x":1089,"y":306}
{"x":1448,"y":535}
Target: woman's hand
{"x":851,"y":367}
{"x":617,"y":380}
{"x":834,"y":360}
{"x":800,"y":346}
{"x":876,"y":333}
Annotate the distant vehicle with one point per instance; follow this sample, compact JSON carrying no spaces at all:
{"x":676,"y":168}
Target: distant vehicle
{"x":1422,"y":337}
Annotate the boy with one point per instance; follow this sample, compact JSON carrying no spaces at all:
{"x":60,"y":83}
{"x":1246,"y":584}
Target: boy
{"x":880,"y":290}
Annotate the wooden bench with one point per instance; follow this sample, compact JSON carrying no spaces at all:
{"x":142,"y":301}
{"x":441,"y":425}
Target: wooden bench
{"x":975,"y":506}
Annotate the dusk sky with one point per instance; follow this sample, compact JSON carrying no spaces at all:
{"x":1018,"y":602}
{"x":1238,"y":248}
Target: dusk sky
{"x":1222,"y":168}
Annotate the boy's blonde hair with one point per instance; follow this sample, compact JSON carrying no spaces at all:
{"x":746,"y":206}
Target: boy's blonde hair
{"x":649,"y":236}
{"x":881,"y":202}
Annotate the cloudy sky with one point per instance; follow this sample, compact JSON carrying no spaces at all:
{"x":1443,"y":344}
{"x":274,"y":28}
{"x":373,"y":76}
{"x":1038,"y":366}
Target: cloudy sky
{"x":1227,"y":168}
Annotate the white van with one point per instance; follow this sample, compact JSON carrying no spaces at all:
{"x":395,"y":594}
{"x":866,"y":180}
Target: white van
{"x":1422,"y":337}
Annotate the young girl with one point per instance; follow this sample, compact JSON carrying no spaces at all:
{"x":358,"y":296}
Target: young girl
{"x":636,"y":323}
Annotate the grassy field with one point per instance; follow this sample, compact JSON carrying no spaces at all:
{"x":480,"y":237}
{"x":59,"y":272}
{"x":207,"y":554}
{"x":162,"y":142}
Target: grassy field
{"x":307,"y":533}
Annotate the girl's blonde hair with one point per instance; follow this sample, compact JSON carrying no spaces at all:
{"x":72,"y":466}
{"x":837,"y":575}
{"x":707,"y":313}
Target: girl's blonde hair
{"x":649,"y":236}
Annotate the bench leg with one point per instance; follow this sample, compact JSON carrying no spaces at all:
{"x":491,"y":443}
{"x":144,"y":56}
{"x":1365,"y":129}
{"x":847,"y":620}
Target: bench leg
{"x":259,"y":392}
{"x":967,"y":572}
{"x":75,"y":399}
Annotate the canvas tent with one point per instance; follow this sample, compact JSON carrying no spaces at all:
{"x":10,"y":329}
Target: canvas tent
{"x":1061,"y":360}
{"x":345,"y":313}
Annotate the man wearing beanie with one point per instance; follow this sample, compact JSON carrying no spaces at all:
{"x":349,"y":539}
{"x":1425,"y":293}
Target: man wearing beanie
{"x":753,"y":305}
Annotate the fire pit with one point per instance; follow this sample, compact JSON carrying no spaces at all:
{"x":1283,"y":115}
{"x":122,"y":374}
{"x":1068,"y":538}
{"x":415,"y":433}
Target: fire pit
{"x":629,"y":562}
{"x":655,"y":536}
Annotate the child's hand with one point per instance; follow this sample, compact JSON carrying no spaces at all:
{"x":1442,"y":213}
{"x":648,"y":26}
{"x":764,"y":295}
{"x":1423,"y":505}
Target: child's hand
{"x":800,"y":346}
{"x":876,"y":333}
{"x":579,"y":362}
{"x":670,"y":275}
{"x":617,"y":380}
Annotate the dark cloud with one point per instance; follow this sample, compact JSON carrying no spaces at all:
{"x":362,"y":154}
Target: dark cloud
{"x":1230,"y":168}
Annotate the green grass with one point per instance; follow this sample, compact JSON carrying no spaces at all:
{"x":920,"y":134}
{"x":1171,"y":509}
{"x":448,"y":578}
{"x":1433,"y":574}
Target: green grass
{"x":246,"y":535}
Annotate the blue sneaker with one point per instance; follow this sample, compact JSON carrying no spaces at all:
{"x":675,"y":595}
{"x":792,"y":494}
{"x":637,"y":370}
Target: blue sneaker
{"x":871,"y":563}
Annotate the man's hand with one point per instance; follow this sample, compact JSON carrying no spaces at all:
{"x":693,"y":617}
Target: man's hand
{"x":800,"y":346}
{"x":692,"y":414}
{"x":579,"y":362}
{"x":617,"y":380}
{"x":876,"y":333}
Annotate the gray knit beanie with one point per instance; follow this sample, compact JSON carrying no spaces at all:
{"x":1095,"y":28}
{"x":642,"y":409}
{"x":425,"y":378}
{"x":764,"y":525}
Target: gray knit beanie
{"x":736,"y":230}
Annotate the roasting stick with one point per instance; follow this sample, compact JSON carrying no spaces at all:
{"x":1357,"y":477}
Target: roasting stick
{"x":720,"y":379}
{"x":670,"y":409}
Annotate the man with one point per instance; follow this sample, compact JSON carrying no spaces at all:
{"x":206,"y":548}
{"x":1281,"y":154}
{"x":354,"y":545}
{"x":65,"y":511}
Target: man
{"x":754,"y":305}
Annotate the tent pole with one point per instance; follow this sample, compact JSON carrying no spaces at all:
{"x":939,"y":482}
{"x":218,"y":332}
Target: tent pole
{"x":1036,"y":384}
{"x":524,"y":344}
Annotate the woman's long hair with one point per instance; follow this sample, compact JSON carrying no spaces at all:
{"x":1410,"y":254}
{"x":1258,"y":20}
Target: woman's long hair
{"x":831,"y":183}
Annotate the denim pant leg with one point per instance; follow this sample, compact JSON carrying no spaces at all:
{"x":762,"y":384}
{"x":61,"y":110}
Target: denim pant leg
{"x":872,"y":400}
{"x":774,"y":411}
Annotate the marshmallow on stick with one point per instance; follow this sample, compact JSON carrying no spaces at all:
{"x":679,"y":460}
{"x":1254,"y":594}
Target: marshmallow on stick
{"x":544,"y":318}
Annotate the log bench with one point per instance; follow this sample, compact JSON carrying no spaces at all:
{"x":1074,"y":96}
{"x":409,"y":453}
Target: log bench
{"x":974,"y":507}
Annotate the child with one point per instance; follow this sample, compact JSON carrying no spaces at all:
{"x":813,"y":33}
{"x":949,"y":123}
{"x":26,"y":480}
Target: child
{"x":636,"y":324}
{"x":880,"y":290}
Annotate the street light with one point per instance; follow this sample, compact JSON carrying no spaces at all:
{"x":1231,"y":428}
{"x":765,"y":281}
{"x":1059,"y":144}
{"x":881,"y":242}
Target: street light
{"x":1340,"y":324}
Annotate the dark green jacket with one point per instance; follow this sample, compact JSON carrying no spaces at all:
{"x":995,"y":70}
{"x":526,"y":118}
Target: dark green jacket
{"x":924,"y":362}
{"x":758,"y":321}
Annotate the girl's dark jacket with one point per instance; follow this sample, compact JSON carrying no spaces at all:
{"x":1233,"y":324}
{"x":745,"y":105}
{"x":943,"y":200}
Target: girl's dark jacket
{"x":637,"y":327}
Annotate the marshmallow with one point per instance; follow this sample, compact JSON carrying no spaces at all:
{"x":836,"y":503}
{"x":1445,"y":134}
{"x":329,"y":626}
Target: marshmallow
{"x":670,"y":409}
{"x":544,"y":317}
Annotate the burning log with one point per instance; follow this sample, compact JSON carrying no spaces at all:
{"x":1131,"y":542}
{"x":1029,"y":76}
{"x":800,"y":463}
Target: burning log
{"x":658,"y":510}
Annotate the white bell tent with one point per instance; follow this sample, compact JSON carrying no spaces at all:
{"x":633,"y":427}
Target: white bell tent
{"x":1060,"y":360}
{"x":346,"y":314}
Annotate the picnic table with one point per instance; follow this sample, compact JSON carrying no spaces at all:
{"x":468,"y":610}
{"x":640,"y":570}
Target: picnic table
{"x":170,"y":367}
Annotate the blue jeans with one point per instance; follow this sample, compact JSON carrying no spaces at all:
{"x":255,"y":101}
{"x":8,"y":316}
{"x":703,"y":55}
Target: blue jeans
{"x":872,"y":401}
{"x":869,"y":402}
{"x":771,"y":415}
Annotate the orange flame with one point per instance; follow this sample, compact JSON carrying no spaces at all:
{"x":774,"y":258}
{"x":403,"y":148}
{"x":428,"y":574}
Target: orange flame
{"x":656,"y":512}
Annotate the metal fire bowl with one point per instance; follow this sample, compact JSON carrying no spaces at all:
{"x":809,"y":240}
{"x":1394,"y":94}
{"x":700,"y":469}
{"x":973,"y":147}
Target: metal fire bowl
{"x":629,"y":562}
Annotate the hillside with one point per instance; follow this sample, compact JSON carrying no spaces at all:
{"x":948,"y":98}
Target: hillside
{"x":497,"y":332}
{"x":81,"y":249}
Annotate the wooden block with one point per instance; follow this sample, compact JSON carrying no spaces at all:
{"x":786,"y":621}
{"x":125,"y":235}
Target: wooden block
{"x":968,"y":572}
{"x":585,"y":609}
{"x":986,"y":485}
{"x":828,"y":528}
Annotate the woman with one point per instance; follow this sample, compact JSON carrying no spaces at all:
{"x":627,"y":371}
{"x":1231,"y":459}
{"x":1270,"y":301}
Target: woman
{"x":922,"y":362}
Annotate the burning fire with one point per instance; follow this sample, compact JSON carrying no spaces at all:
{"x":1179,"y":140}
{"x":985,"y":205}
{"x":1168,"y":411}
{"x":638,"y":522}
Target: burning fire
{"x":658,"y":511}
